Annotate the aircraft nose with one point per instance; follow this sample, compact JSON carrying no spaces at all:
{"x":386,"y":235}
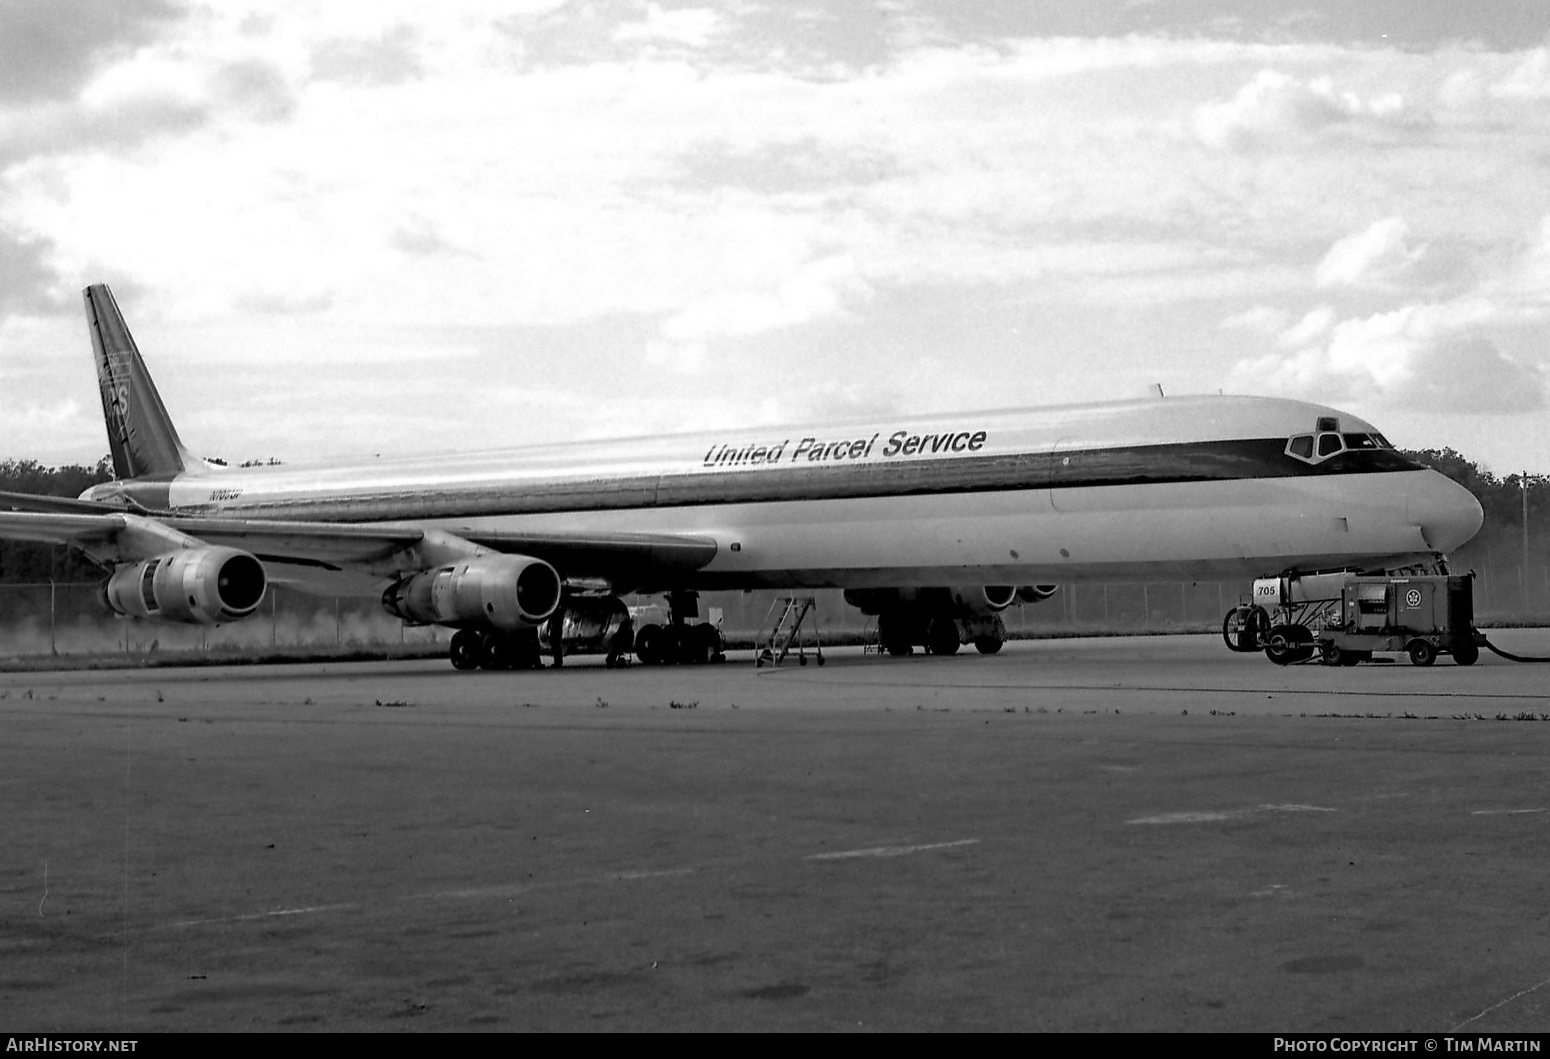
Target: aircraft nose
{"x":1447,"y":513}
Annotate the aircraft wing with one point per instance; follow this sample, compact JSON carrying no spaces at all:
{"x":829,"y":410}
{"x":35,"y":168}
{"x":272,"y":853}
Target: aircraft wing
{"x":37,"y":502}
{"x":626,"y":560}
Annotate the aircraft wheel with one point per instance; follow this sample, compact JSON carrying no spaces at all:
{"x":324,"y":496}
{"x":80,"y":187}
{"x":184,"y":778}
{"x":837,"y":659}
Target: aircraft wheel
{"x":987,"y":645}
{"x":1466,"y":653}
{"x":650,"y":642}
{"x":467,"y":649}
{"x":1421,"y":653}
{"x":893,"y":635}
{"x":705,"y":641}
{"x":500,"y":651}
{"x":942,"y":637}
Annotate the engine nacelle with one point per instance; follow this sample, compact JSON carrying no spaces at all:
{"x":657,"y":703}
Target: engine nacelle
{"x":508,"y":592}
{"x":982,"y":600}
{"x":591,"y":622}
{"x":1036,"y":593}
{"x":196,"y":586}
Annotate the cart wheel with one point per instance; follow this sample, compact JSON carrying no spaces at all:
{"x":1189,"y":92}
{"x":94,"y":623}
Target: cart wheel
{"x":1422,"y":653}
{"x":1331,"y":655}
{"x":1245,"y":628}
{"x":1289,"y":644}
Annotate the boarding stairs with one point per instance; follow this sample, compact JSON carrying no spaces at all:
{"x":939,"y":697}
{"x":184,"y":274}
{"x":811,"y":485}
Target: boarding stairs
{"x":787,"y":618}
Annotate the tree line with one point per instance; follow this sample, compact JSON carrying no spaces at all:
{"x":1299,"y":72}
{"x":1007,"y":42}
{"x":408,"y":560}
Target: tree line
{"x":24,"y":561}
{"x":30,"y":562}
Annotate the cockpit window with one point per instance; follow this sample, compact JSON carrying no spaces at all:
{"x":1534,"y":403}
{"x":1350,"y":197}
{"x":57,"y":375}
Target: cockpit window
{"x":1361,"y":450}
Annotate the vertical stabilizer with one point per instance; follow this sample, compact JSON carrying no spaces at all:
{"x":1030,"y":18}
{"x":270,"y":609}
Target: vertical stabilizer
{"x":140,"y":433}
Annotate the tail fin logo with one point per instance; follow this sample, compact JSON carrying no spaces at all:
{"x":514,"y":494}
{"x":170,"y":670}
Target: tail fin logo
{"x":115,"y":392}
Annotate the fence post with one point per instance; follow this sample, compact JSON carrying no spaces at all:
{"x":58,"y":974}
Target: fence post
{"x":53,"y":646}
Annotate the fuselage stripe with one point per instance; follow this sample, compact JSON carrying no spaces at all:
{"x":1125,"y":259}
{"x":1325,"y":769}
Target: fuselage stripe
{"x":1235,"y":460}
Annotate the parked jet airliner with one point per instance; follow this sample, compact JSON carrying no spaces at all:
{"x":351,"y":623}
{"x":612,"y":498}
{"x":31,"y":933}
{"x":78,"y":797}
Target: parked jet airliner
{"x":935,"y":524}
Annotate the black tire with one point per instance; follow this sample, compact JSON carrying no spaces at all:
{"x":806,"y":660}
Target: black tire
{"x":1279,"y":648}
{"x":501,"y":651}
{"x":1421,"y":652}
{"x":1466,"y":653}
{"x":467,"y":651}
{"x":706,"y":640}
{"x":1330,"y":654}
{"x":987,"y":645}
{"x":893,"y":635}
{"x":1245,"y":628}
{"x":942,"y":637}
{"x":650,"y":643}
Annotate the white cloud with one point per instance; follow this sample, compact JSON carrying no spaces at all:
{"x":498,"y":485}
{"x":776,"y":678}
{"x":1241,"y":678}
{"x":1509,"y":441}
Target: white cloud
{"x":1309,"y":329}
{"x":818,"y":289}
{"x":691,"y":27}
{"x":1429,"y":357}
{"x":1529,"y":80}
{"x":1261,"y":320}
{"x":1275,"y":107}
{"x":1374,"y":256}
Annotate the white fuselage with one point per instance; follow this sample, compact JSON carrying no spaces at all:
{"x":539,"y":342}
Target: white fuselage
{"x":1168,"y":488}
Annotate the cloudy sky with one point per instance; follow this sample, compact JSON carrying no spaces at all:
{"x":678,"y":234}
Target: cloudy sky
{"x":379,"y":227}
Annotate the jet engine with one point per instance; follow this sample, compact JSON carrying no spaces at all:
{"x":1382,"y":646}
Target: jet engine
{"x":1036,"y":593}
{"x":493,"y":591}
{"x":982,"y":600}
{"x":196,"y":586}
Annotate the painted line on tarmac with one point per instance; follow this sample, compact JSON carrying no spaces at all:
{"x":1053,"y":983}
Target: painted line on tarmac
{"x":1501,"y":1003}
{"x":265,"y":915}
{"x":472,"y":893}
{"x":890,"y":851}
{"x":833,"y":677}
{"x":1505,"y":812}
{"x":509,"y":890}
{"x":1213,"y":816}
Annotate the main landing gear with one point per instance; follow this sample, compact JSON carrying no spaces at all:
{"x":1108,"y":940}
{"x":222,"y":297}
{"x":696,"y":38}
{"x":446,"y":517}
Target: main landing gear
{"x":480,"y":649}
{"x":898,"y":631}
{"x":678,"y":642}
